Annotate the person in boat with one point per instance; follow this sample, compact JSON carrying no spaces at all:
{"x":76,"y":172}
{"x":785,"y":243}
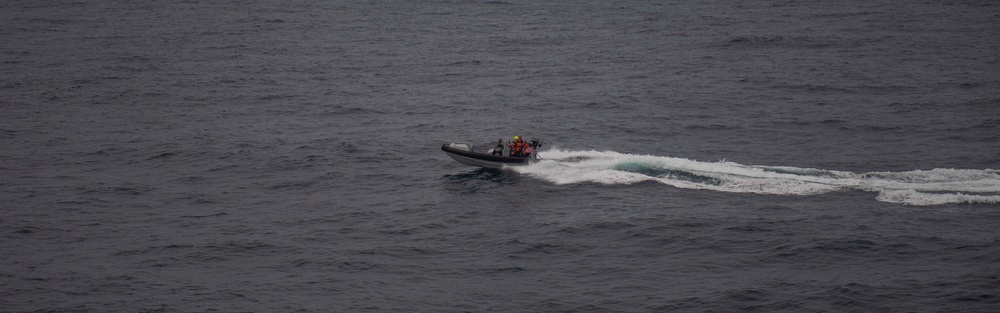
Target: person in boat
{"x":517,"y":147}
{"x":498,"y":149}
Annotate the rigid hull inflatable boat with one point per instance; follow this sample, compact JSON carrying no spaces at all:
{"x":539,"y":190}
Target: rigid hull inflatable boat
{"x":463,"y":153}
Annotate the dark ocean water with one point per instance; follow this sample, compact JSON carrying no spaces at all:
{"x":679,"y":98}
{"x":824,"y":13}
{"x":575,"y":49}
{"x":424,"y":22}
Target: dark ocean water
{"x":283,"y":156}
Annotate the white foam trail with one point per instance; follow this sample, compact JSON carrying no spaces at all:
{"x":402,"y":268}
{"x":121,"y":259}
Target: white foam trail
{"x":920,"y":187}
{"x":913,"y":197}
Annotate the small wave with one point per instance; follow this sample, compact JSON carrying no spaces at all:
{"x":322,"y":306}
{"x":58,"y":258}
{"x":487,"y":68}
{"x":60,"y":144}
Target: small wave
{"x":205,"y":215}
{"x":162,"y":156}
{"x":919,"y":187}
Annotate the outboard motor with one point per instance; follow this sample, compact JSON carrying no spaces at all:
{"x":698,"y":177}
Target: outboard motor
{"x":534,"y":144}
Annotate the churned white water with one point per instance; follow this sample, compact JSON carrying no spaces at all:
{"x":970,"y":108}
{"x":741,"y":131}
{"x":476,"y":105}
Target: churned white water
{"x":919,"y":187}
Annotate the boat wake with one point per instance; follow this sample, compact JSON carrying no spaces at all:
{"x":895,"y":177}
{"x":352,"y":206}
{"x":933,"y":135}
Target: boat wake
{"x":919,"y":187}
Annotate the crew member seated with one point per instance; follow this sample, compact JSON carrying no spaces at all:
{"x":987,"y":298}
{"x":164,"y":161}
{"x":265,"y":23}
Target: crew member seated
{"x":517,"y":147}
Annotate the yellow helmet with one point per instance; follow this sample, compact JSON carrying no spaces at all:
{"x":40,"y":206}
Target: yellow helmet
{"x":517,"y":137}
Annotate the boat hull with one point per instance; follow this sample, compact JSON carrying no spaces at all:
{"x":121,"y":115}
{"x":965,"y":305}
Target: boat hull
{"x":482,"y":159}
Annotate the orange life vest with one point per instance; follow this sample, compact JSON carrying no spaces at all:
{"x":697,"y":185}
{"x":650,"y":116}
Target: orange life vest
{"x":517,"y":147}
